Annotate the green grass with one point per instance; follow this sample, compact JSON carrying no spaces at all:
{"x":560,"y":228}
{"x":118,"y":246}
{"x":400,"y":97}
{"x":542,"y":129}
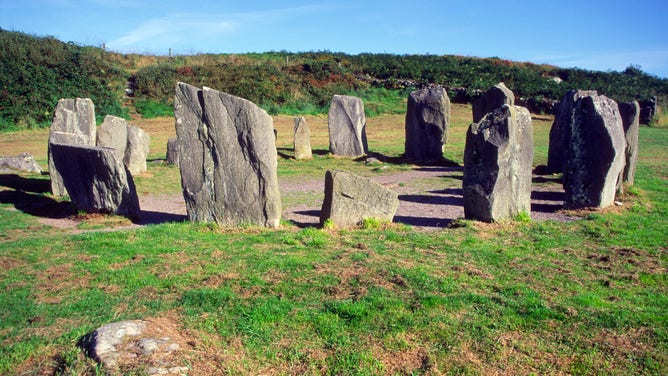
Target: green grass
{"x":521,"y":297}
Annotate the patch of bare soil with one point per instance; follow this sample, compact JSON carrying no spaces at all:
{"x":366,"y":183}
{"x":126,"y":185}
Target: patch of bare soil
{"x":424,"y":203}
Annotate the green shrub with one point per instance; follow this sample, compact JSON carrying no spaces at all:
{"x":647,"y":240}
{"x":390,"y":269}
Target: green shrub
{"x":150,"y":109}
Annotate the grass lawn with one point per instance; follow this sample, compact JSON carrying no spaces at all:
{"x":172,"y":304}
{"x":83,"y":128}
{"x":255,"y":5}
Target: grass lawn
{"x":583,"y":297}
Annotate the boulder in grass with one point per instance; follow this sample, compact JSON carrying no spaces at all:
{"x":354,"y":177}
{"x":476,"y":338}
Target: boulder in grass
{"x":497,"y":165}
{"x":349,"y":199}
{"x":302,"y":142}
{"x":595,"y":153}
{"x":73,"y":124}
{"x":96,"y":179}
{"x":347,"y":126}
{"x":227,"y":158}
{"x":427,"y":118}
{"x":24,"y":162}
{"x":495,"y":97}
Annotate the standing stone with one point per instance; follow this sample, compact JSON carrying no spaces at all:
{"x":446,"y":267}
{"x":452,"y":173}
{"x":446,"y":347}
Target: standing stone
{"x":22,"y":162}
{"x":73,"y":124}
{"x":648,"y":110}
{"x":350,"y":198}
{"x":113,"y":133}
{"x":347,"y":126}
{"x":595,"y":153}
{"x":96,"y":179}
{"x":427,"y":119}
{"x":495,"y":97}
{"x":227,"y":158}
{"x":497,"y":165}
{"x":137,"y":149}
{"x":561,"y":128}
{"x":630,"y":114}
{"x":302,"y":143}
{"x":172,"y":152}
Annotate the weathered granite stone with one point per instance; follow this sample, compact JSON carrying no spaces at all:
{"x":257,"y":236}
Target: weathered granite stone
{"x":23,"y":162}
{"x":630,"y":114}
{"x":172,"y":152}
{"x":347,"y":126}
{"x":350,"y":198}
{"x":73,"y":124}
{"x":561,"y":128}
{"x":497,"y":165}
{"x":137,"y":149}
{"x":495,"y":97}
{"x":227,"y":158}
{"x":133,"y":345}
{"x":427,"y":119}
{"x":595,"y":153}
{"x":96,"y":179}
{"x":302,"y":143}
{"x":113,"y":133}
{"x":648,"y":110}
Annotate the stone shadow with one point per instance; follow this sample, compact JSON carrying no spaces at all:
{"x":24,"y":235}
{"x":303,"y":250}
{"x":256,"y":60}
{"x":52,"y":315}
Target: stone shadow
{"x":434,"y":199}
{"x":422,"y":221}
{"x":26,"y":184}
{"x":307,"y":213}
{"x":156,"y":218}
{"x":37,"y":204}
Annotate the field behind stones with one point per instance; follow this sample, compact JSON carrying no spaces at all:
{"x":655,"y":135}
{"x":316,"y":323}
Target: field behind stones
{"x":582,"y":292}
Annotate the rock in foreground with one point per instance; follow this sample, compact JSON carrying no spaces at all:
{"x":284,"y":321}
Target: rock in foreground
{"x":349,"y":199}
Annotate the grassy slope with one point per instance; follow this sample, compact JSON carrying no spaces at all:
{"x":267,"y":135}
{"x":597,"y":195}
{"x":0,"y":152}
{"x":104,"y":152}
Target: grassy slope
{"x":587,"y":297}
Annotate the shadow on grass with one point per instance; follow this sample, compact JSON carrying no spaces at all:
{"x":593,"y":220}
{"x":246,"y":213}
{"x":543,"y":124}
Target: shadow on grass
{"x":37,"y":204}
{"x":25,"y":184}
{"x":307,"y":213}
{"x":156,"y":218}
{"x":422,"y":221}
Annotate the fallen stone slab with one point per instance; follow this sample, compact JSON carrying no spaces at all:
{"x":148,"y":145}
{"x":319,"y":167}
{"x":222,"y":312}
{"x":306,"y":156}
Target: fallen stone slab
{"x":96,"y":180}
{"x":349,"y":199}
{"x":24,"y":162}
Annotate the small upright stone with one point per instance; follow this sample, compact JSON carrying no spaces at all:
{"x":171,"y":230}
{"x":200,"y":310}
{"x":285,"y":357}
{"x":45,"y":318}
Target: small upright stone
{"x":302,"y":143}
{"x":497,"y":165}
{"x":73,"y":124}
{"x":113,"y":133}
{"x":495,"y":97}
{"x":227,"y":158}
{"x":630,"y":114}
{"x":427,"y":119}
{"x":595,"y":153}
{"x":561,"y":129}
{"x":347,"y":126}
{"x":137,"y":149}
{"x":349,"y":199}
{"x":96,"y":179}
{"x":172,"y":152}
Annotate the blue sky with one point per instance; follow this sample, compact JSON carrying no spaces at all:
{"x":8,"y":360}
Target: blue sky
{"x":590,"y":34}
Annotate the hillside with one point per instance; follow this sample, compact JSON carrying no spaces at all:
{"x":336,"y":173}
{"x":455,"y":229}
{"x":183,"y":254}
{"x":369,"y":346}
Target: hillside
{"x":36,"y":71}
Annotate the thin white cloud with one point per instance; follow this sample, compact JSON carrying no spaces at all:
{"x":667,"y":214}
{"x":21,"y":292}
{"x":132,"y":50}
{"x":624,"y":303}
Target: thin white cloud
{"x":170,"y":30}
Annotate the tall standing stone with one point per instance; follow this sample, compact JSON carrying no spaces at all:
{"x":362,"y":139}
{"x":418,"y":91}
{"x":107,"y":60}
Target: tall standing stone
{"x":497,"y":165}
{"x":347,"y":126}
{"x":227,"y":158}
{"x":73,"y":124}
{"x":302,"y":143}
{"x":349,"y":199}
{"x":495,"y":97}
{"x":172,"y":152}
{"x":595,"y":153}
{"x":113,"y":133}
{"x":561,"y":129}
{"x":137,"y":149}
{"x":97,"y":181}
{"x":427,"y":119}
{"x":630,"y":114}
